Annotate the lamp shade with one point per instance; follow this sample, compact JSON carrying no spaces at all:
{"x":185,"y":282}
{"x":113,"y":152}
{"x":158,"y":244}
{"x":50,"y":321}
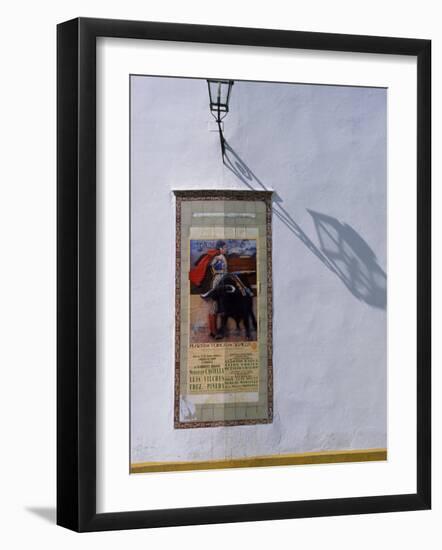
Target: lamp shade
{"x":219,"y":95}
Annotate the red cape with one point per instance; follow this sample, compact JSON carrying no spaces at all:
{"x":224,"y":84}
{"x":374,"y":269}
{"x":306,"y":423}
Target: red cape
{"x":197,"y":273}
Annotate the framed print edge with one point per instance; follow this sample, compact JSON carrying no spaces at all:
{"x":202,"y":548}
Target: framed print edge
{"x":67,"y":395}
{"x":77,"y":287}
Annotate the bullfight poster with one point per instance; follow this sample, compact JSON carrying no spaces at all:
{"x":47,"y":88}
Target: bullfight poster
{"x":223,"y":344}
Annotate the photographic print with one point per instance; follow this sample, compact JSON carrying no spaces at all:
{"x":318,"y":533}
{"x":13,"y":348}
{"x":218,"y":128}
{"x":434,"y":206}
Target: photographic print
{"x":243,"y":274}
{"x":259,"y":339}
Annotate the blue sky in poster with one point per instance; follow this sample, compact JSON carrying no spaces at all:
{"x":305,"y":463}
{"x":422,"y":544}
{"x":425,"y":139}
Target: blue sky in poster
{"x":240,"y":247}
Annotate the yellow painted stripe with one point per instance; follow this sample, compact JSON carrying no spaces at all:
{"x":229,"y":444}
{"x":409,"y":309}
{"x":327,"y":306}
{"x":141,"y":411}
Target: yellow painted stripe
{"x":322,"y":457}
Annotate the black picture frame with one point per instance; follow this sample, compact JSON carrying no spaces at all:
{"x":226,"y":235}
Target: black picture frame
{"x":76,"y":274}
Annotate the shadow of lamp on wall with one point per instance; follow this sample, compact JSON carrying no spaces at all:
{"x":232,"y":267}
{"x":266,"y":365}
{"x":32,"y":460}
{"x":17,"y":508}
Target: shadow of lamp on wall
{"x":341,"y":249}
{"x":352,"y":258}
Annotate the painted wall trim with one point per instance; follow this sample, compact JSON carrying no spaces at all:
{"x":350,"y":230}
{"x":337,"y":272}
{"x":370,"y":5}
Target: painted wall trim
{"x":321,"y":457}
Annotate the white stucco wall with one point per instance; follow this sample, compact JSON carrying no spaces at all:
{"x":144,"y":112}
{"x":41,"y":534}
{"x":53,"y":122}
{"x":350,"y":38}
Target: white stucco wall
{"x":322,"y":149}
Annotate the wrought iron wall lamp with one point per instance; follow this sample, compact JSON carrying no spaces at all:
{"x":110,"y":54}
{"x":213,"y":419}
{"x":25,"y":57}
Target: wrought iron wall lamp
{"x":219,"y":95}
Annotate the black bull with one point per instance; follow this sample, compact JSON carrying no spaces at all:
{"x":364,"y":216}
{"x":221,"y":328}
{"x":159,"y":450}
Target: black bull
{"x":234,"y":302}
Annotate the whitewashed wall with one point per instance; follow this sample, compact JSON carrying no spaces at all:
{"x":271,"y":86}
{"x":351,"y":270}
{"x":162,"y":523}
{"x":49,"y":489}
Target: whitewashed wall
{"x":322,"y":149}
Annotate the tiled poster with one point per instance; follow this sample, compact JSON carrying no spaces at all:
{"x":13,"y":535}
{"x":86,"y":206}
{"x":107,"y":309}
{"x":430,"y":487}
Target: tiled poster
{"x":223,"y":344}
